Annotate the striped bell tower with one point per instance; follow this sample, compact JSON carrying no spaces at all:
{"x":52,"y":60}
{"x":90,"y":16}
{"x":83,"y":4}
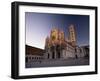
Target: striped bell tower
{"x":72,"y":35}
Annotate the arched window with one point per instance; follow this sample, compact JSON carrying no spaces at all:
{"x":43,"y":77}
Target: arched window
{"x":48,"y":55}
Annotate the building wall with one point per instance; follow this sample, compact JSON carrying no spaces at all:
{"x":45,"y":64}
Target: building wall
{"x":33,"y":58}
{"x":82,"y":51}
{"x":69,"y":52}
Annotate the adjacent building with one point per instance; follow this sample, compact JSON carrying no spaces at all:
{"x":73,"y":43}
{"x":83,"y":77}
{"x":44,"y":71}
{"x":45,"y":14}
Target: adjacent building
{"x":33,"y":54}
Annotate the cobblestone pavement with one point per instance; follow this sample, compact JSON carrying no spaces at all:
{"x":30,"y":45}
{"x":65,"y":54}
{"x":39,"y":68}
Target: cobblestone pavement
{"x":57,"y":62}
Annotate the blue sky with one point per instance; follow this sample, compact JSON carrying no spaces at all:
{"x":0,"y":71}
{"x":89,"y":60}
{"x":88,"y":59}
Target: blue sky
{"x":39,"y":25}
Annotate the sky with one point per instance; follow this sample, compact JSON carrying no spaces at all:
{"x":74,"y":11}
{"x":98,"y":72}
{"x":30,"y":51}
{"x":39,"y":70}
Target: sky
{"x":39,"y":25}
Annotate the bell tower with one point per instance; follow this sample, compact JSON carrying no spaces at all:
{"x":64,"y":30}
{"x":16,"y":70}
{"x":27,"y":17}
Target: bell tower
{"x":72,"y":35}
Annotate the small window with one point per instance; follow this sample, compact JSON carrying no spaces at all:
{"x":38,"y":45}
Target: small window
{"x":32,"y":57}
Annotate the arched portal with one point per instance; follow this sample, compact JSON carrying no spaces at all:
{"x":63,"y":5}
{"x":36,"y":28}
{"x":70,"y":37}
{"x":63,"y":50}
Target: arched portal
{"x":53,"y":55}
{"x":58,"y":54}
{"x":48,"y":56}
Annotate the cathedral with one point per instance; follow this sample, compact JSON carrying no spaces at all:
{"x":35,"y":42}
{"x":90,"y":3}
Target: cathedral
{"x":57,"y":46}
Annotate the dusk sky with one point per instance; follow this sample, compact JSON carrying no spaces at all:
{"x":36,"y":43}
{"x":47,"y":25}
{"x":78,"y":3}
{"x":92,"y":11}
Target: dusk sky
{"x":39,"y":25}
